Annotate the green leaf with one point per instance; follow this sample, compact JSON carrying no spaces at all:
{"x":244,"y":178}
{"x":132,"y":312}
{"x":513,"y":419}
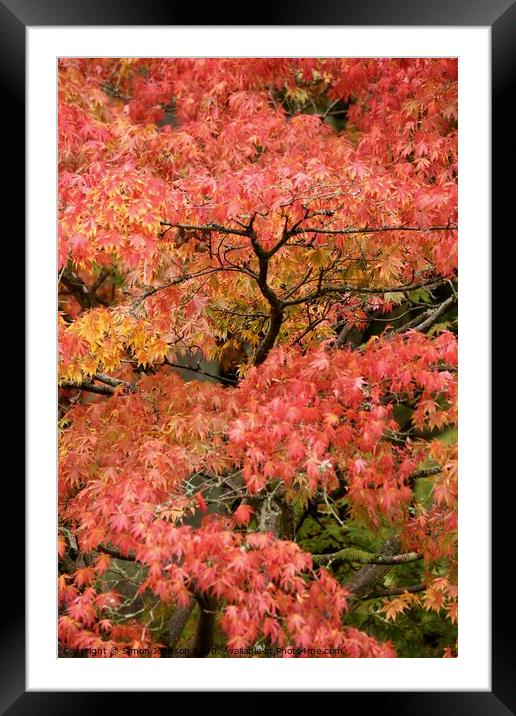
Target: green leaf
{"x":419,"y":295}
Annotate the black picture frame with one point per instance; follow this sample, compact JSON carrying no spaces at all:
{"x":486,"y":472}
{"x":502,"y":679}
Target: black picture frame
{"x":15,"y":16}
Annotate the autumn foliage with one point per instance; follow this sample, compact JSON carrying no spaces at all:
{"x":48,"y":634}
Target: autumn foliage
{"x":287,"y":230}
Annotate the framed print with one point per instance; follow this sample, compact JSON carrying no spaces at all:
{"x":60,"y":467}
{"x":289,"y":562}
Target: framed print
{"x":259,"y":234}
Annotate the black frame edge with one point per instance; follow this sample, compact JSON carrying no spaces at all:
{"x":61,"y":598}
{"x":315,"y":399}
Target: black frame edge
{"x":501,"y":700}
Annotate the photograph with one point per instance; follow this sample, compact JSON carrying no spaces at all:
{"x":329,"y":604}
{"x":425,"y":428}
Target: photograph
{"x":257,"y":346}
{"x":258,"y":412}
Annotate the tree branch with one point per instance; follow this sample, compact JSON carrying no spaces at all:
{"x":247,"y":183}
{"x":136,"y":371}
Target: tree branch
{"x":351,"y":554}
{"x":207,"y":606}
{"x":100,"y":280}
{"x":85,"y":297}
{"x":369,"y":229}
{"x":380,"y":592}
{"x":114,"y":382}
{"x":426,"y":319}
{"x":175,"y":282}
{"x":276,"y":314}
{"x":222,"y":379}
{"x":347,"y":288}
{"x":114,"y":552}
{"x":89,"y":387}
{"x":363,"y":581}
{"x":218,"y":228}
{"x":428,"y":472}
{"x":284,"y":238}
{"x":107,"y":389}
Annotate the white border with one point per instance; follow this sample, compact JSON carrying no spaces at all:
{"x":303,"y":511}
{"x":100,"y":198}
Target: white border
{"x":471,"y":670}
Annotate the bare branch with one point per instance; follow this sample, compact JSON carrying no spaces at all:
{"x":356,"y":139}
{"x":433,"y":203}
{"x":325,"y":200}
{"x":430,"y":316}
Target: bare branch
{"x":218,"y":228}
{"x":395,"y":591}
{"x":428,"y":318}
{"x":100,"y":280}
{"x":85,"y":297}
{"x":198,"y":369}
{"x":363,"y":581}
{"x":428,"y":472}
{"x":369,"y":229}
{"x":174,"y":282}
{"x":114,"y":552}
{"x":347,"y":288}
{"x":276,"y":314}
{"x":89,"y":387}
{"x":114,"y":382}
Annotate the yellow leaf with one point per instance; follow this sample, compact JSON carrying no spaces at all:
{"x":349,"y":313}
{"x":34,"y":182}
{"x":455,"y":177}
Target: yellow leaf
{"x":317,"y":257}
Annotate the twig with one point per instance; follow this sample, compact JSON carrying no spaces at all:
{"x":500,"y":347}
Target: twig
{"x":330,"y":508}
{"x":198,"y":369}
{"x":381,"y":592}
{"x":114,"y":552}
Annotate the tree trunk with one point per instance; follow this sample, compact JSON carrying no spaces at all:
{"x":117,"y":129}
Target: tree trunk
{"x":363,"y":582}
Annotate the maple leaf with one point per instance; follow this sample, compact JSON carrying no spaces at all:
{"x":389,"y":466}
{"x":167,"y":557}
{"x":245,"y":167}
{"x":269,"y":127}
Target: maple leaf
{"x":231,"y":236}
{"x":82,"y":611}
{"x":105,"y":625}
{"x":85,"y":575}
{"x":201,"y":502}
{"x":394,"y":607}
{"x":242,"y":515}
{"x":433,"y":599}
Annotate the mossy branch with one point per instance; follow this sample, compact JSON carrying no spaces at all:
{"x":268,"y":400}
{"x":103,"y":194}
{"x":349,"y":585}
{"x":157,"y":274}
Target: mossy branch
{"x":359,"y":556}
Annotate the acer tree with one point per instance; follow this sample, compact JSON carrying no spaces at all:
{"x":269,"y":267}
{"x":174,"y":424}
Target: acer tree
{"x":286,"y":230}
